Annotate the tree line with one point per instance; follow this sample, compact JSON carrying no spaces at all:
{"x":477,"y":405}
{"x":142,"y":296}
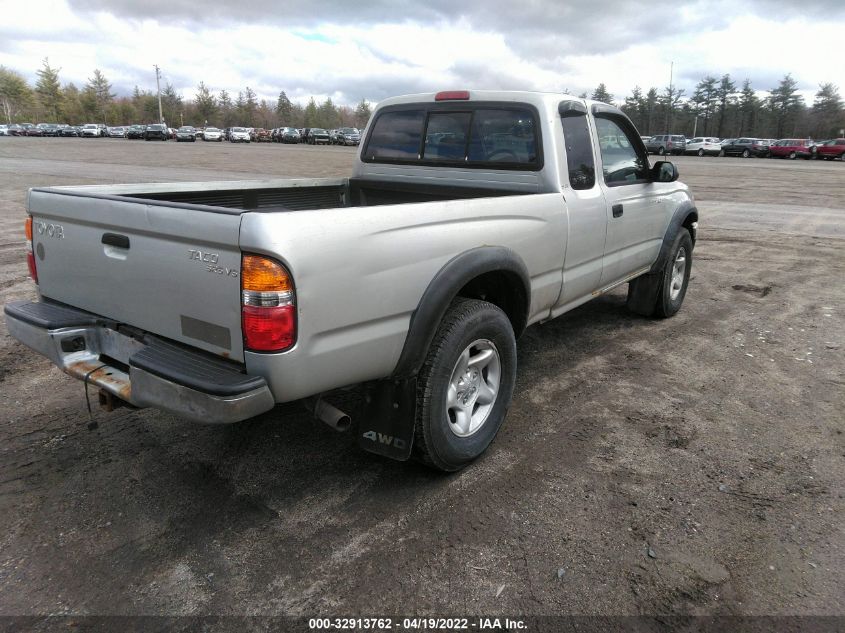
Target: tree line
{"x":50,"y":101}
{"x":717,"y":107}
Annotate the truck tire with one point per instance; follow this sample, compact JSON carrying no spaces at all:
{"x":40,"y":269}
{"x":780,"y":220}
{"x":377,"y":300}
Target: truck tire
{"x":465,"y":385}
{"x":675,"y":278}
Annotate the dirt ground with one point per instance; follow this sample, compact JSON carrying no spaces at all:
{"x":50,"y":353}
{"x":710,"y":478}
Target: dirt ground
{"x":688,"y":466}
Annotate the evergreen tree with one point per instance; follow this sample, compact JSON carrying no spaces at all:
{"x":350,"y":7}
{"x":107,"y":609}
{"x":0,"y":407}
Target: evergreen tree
{"x":828,"y":112}
{"x":284,"y":109}
{"x":205,"y":104}
{"x":328,"y":115}
{"x":49,"y":91}
{"x":749,"y":107}
{"x":311,"y":114}
{"x":72,"y":109}
{"x":634,"y":107}
{"x":785,"y":104}
{"x":651,"y":102}
{"x":363,"y":112}
{"x":248,"y":106}
{"x":601,"y":94}
{"x":724,"y":95}
{"x":98,"y":95}
{"x":172,"y":105}
{"x":704,"y":101}
{"x":226,"y":109}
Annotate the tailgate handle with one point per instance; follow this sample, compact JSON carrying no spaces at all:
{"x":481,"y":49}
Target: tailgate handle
{"x":113,"y":239}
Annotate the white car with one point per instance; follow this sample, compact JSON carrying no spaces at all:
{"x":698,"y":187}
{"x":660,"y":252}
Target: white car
{"x":212,"y":134}
{"x":4,"y":130}
{"x":239,"y":135}
{"x":702,"y":145}
{"x":91,"y":129}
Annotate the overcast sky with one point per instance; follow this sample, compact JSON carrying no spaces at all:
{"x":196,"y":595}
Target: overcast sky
{"x":352,"y":50}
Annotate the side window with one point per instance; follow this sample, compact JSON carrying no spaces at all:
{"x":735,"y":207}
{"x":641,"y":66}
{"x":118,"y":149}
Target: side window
{"x":579,"y":152}
{"x":621,"y":163}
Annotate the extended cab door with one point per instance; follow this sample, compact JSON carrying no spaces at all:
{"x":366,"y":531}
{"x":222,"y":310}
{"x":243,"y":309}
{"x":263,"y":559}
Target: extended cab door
{"x":585,"y":204}
{"x":635,"y":209}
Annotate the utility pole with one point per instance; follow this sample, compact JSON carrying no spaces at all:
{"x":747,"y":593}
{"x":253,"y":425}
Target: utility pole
{"x":158,"y":89}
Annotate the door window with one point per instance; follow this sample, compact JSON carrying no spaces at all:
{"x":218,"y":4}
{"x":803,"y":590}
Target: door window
{"x":622,"y":164}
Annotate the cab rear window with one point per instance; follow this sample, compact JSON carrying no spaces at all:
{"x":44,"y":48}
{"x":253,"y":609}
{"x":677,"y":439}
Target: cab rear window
{"x":475,"y":136}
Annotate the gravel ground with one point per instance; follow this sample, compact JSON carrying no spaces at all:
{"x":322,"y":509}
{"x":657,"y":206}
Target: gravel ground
{"x":687,"y":466}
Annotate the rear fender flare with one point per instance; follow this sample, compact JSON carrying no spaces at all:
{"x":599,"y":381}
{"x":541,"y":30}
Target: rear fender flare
{"x":445,"y":286}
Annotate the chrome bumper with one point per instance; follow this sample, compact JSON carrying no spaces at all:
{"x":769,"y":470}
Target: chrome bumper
{"x":85,"y":352}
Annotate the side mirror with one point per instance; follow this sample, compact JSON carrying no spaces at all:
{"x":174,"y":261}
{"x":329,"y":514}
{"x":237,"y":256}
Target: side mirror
{"x":664,"y":171}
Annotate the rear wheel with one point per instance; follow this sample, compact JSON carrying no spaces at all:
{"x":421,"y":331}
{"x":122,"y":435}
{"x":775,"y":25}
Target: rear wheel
{"x":465,"y":385}
{"x":792,"y":155}
{"x":746,"y":153}
{"x":701,"y":152}
{"x":661,"y":151}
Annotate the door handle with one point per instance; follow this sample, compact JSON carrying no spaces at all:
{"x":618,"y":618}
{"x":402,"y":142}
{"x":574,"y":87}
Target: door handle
{"x":114,"y":239}
{"x":617,"y":210}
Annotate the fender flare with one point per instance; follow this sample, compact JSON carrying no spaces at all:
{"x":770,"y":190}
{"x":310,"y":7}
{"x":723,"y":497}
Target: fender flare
{"x":444,"y":287}
{"x":684,"y":212}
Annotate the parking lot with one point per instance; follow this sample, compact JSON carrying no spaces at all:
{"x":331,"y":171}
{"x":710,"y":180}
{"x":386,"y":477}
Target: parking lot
{"x":687,"y":466}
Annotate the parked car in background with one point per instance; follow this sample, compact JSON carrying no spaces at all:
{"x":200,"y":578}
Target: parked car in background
{"x":746,"y":147}
{"x":261,"y":135}
{"x":666,"y":144}
{"x":834,"y":148}
{"x":239,"y":135}
{"x":289,"y":135}
{"x":156,"y":131}
{"x":90,"y":130}
{"x":117,"y":132}
{"x":136,"y":131}
{"x":702,"y":145}
{"x":318,"y":136}
{"x":70,"y":131}
{"x":212,"y":134}
{"x":186,"y":133}
{"x":16,"y":130}
{"x":348,"y":136}
{"x":303,"y":135}
{"x":4,"y":130}
{"x":49,"y":129}
{"x":791,"y":148}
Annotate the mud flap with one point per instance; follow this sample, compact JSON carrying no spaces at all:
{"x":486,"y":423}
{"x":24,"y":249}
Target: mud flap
{"x":387,"y":421}
{"x":642,"y":293}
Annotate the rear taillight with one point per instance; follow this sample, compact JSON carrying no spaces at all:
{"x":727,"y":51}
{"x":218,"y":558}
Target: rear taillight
{"x":268,"y":305}
{"x":30,"y":256}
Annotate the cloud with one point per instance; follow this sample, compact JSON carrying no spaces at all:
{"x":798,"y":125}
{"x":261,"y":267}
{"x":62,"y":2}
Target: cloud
{"x":372,"y":50}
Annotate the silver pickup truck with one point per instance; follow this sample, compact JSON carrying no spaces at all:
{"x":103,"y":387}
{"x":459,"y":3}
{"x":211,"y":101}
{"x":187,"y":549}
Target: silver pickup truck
{"x":469,"y":216}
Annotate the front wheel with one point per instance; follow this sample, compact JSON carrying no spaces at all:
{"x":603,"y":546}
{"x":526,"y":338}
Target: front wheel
{"x":661,"y":151}
{"x":746,"y":153}
{"x":675,"y":277}
{"x":701,"y":152}
{"x":465,"y":385}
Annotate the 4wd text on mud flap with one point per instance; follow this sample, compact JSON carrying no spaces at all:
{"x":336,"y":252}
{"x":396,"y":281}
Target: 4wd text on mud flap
{"x":389,"y":440}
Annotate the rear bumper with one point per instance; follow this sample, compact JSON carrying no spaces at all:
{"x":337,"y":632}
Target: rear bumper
{"x":145,"y":373}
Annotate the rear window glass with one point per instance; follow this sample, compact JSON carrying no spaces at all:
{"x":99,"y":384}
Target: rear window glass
{"x":396,"y":135}
{"x":474,"y":137}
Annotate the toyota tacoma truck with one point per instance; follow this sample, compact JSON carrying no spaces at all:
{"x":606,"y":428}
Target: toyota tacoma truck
{"x":469,"y":216}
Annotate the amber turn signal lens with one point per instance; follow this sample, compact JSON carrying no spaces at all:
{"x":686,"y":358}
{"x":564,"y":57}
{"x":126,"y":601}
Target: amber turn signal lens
{"x":264,"y":274}
{"x":28,"y":228}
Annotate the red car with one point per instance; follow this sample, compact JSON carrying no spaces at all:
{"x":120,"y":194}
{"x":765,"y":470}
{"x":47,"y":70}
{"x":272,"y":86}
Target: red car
{"x":832,"y":149}
{"x":791,"y":148}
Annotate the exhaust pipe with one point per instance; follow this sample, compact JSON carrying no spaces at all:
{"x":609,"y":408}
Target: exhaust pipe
{"x":329,"y":414}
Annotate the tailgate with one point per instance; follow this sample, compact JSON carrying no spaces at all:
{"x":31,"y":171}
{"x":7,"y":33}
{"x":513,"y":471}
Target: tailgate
{"x":170,"y":269}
